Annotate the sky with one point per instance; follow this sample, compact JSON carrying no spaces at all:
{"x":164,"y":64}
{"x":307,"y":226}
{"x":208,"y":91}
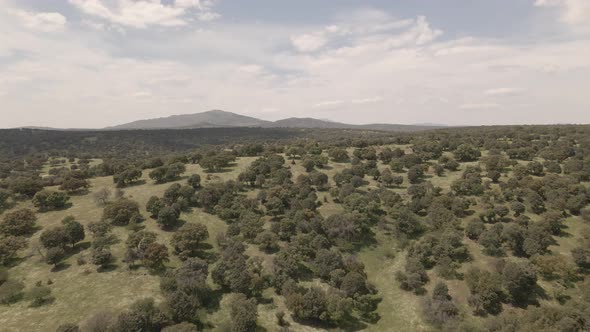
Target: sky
{"x":97,"y":63}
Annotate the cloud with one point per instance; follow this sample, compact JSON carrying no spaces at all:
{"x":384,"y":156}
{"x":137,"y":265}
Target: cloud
{"x":328,"y":103}
{"x":308,"y":42}
{"x":382,"y":70}
{"x":477,"y":106}
{"x":575,"y":13}
{"x":144,"y":13}
{"x":504,"y":92}
{"x":208,"y":16}
{"x":367,"y":100}
{"x":47,"y":22}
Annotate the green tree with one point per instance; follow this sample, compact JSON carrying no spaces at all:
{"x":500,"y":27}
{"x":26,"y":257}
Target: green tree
{"x":46,"y":200}
{"x":243,"y":312}
{"x":155,"y":256}
{"x":168,"y":217}
{"x":187,"y":239}
{"x":519,"y":279}
{"x":72,"y":185}
{"x":194,"y":181}
{"x":120,"y":212}
{"x":54,"y":256}
{"x":73,"y":229}
{"x":9,"y":247}
{"x":55,"y":237}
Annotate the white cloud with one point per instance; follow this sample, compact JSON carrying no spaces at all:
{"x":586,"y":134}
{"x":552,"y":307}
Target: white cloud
{"x":47,"y":22}
{"x":367,"y":100}
{"x":208,"y":16}
{"x":309,"y":42}
{"x":145,"y":13}
{"x":575,"y":13}
{"x":328,"y":103}
{"x":200,"y":4}
{"x":504,"y":91}
{"x":477,"y":106}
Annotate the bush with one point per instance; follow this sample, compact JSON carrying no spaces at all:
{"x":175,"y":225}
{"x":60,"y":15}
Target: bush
{"x":11,"y":291}
{"x":46,"y":200}
{"x":39,"y":295}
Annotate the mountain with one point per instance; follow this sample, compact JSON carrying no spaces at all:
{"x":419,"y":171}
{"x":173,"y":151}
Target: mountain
{"x":210,"y":119}
{"x":222,"y":119}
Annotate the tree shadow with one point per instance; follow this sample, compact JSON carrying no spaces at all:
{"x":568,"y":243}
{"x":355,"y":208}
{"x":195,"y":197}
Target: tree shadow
{"x":107,"y":268}
{"x":60,"y":267}
{"x":135,"y":184}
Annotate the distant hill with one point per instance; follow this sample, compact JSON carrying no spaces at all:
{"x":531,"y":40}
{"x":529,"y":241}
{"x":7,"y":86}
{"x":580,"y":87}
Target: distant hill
{"x":210,"y":119}
{"x":222,"y":119}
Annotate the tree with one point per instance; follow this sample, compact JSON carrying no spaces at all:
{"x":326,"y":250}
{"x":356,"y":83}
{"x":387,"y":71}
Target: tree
{"x":140,"y":241}
{"x":9,"y":247}
{"x":55,"y":255}
{"x":101,"y":257}
{"x":491,"y":241}
{"x":187,"y":239}
{"x":338,"y":155}
{"x":18,"y":223}
{"x":46,"y":200}
{"x":142,"y":315}
{"x":519,"y":279}
{"x":168,"y":217}
{"x":415,"y":173}
{"x":439,"y":309}
{"x":466,"y":152}
{"x":25,"y":186}
{"x":73,"y":229}
{"x":327,"y":261}
{"x":537,"y":240}
{"x":308,"y":164}
{"x":243,"y":312}
{"x":127,"y":177}
{"x":72,"y":184}
{"x":250,"y":225}
{"x":99,"y":228}
{"x":101,"y":197}
{"x":167,"y":173}
{"x":581,"y":257}
{"x":155,"y":256}
{"x":474,"y":229}
{"x":486,"y":290}
{"x":194,"y":181}
{"x":55,"y":237}
{"x":154,"y":205}
{"x":354,"y":284}
{"x":518,"y":208}
{"x":120,"y":212}
{"x":267,"y":241}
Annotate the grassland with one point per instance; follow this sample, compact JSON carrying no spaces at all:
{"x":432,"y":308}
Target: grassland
{"x":80,"y":290}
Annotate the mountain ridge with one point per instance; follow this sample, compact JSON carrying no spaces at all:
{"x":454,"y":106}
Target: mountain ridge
{"x":220,"y":119}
